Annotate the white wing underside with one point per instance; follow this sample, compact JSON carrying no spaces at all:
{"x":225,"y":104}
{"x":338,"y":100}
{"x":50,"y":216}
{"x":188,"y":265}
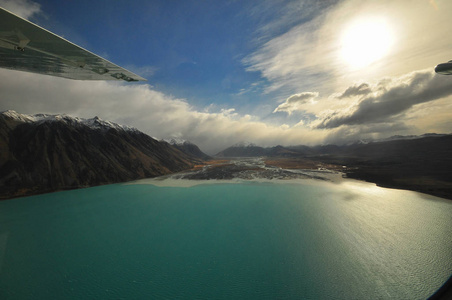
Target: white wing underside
{"x":27,"y":47}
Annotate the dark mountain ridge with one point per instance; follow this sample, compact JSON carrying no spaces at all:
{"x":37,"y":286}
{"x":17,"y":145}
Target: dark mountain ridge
{"x":423,"y":145}
{"x":43,"y":153}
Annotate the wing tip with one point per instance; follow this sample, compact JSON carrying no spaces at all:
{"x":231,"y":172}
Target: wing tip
{"x":100,"y":69}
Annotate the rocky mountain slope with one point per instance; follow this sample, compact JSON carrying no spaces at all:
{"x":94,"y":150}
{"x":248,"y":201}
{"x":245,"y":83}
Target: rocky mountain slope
{"x":42,"y":153}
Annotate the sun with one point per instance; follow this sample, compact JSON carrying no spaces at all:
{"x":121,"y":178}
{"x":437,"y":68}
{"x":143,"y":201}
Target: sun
{"x":365,"y":41}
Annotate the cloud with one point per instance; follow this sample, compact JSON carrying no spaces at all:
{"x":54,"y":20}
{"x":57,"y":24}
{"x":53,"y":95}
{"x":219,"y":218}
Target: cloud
{"x":279,"y":17}
{"x":296,"y":102}
{"x":164,"y":116}
{"x":356,"y":90}
{"x":140,"y":106}
{"x":308,"y":55}
{"x":287,"y":60}
{"x":24,"y":8}
{"x":388,"y":99}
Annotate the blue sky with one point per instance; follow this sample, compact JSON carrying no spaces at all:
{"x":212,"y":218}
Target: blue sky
{"x":190,"y":49}
{"x":269,"y":72}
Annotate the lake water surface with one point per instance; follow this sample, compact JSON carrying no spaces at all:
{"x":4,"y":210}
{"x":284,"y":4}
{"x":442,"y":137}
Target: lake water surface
{"x":251,"y":240}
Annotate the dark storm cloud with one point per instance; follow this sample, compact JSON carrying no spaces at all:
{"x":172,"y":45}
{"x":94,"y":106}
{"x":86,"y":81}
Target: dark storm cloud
{"x":393,"y":97}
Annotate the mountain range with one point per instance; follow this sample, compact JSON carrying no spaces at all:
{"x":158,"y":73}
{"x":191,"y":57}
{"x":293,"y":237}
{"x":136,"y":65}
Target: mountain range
{"x":245,"y":149}
{"x":43,"y":153}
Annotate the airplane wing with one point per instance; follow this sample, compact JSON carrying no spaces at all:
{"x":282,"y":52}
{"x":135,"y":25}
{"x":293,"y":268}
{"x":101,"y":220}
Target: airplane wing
{"x":27,"y":47}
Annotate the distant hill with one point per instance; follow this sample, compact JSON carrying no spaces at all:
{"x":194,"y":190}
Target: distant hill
{"x":42,"y":153}
{"x":396,"y":146}
{"x":188,"y":148}
{"x":421,"y":163}
{"x":252,"y":150}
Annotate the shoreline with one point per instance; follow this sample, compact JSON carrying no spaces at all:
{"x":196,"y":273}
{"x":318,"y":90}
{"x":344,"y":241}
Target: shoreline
{"x":275,"y":170}
{"x":291,"y":170}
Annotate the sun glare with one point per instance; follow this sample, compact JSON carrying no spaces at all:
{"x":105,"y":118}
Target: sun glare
{"x":366,"y":41}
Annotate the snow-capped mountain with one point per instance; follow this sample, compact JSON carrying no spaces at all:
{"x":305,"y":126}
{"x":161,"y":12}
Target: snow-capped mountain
{"x":175,"y":141}
{"x":187,"y":148}
{"x":43,"y":153}
{"x":93,"y":123}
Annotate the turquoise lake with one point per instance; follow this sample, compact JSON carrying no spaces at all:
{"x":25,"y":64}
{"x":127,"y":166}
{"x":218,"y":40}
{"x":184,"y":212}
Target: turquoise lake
{"x":249,"y":240}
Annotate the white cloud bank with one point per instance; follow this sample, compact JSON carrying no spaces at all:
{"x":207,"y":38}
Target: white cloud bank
{"x":140,"y":106}
{"x":296,"y":102}
{"x":412,"y":104}
{"x":415,"y":103}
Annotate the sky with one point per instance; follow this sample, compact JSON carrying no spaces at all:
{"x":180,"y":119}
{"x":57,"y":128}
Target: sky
{"x":270,"y":72}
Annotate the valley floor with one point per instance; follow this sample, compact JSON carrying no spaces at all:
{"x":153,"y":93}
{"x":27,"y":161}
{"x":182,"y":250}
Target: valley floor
{"x":258,"y":168}
{"x":390,"y":176}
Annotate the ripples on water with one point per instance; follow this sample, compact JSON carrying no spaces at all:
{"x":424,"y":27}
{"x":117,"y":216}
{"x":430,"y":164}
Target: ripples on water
{"x":225,"y":241}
